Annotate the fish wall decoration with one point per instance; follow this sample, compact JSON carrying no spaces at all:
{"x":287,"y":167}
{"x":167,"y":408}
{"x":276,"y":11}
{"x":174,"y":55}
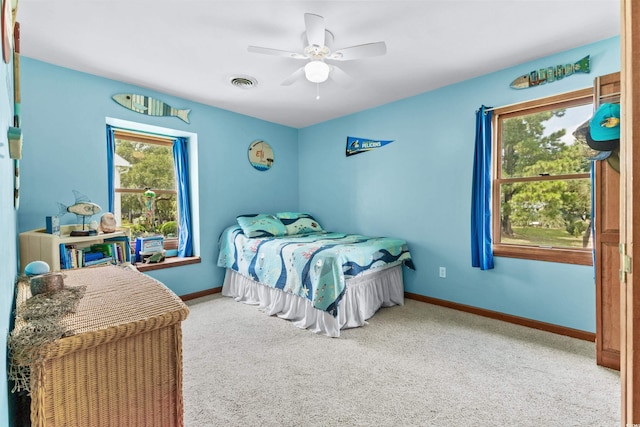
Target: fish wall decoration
{"x":152,"y":107}
{"x":551,"y":74}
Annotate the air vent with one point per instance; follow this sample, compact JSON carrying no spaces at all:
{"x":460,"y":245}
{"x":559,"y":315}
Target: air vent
{"x":243,"y":82}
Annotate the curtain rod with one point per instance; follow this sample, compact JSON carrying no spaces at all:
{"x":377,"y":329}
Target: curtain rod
{"x":610,"y":95}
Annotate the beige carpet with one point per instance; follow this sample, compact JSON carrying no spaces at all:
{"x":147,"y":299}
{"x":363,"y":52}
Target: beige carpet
{"x":415,"y":365}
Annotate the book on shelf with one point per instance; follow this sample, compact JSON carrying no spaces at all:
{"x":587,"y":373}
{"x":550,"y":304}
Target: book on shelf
{"x":123,"y":244}
{"x":64,"y":264}
{"x":52,"y":225}
{"x":71,"y":256}
{"x":105,"y":248}
{"x":100,"y":261}
{"x":92,"y":256}
{"x":116,"y":250}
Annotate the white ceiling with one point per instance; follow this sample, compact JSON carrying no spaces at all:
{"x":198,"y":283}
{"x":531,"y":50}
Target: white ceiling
{"x":191,"y":48}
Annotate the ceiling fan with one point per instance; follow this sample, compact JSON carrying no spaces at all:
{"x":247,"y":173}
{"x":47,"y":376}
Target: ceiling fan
{"x":317,"y":42}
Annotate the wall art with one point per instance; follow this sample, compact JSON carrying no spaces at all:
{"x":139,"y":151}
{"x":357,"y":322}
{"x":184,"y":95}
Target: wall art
{"x":152,"y":107}
{"x":261,"y":155}
{"x":360,"y":145}
{"x":551,"y":74}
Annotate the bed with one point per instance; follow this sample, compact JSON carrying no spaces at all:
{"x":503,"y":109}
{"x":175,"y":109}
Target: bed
{"x":289,"y":266}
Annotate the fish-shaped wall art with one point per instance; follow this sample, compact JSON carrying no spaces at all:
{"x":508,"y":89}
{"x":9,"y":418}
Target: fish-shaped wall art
{"x":150,"y":106}
{"x":551,"y":74}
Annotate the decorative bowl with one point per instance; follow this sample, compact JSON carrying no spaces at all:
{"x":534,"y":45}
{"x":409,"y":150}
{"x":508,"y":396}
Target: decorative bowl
{"x":45,"y":283}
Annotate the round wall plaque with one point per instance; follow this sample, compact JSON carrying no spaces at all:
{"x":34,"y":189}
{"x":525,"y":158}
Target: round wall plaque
{"x":260,"y":155}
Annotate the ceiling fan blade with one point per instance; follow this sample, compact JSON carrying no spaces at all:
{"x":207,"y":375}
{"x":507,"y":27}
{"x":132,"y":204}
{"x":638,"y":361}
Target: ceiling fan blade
{"x":340,"y":77}
{"x":360,"y":51}
{"x":314,"y":25}
{"x":293,"y":77}
{"x":275,"y":52}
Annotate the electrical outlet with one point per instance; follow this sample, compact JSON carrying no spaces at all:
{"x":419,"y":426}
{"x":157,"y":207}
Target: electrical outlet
{"x":443,"y":272}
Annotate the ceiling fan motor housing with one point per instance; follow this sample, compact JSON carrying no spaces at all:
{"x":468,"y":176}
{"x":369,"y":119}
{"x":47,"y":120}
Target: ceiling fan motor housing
{"x":317,"y":44}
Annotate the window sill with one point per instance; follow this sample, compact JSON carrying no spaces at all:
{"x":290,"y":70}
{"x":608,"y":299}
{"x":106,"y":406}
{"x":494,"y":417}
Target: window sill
{"x":168,"y":263}
{"x":562,"y":255}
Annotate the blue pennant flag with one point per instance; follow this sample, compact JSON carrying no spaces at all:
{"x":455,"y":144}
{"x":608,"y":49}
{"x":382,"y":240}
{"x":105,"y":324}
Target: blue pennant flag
{"x":360,"y":145}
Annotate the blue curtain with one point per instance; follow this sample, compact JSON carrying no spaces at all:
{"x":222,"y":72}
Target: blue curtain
{"x":481,"y":251}
{"x":185,"y":240}
{"x":111,"y":152}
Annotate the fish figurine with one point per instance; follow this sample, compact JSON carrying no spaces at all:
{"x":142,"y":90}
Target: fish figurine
{"x":152,"y":107}
{"x":82,"y":206}
{"x":551,"y":74}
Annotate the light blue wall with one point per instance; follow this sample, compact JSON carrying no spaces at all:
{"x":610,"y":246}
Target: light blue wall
{"x":8,"y":239}
{"x":64,"y":113}
{"x":419,"y":188}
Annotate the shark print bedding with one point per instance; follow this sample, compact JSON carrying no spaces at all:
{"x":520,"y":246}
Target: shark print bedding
{"x":314,"y":265}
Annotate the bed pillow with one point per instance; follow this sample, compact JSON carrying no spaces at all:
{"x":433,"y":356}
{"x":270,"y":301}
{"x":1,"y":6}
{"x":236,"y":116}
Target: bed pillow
{"x":299,"y":223}
{"x":291,"y":215}
{"x":261,"y":225}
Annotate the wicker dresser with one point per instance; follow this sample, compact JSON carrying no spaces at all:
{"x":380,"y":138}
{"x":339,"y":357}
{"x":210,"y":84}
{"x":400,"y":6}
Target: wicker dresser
{"x":123,"y":366}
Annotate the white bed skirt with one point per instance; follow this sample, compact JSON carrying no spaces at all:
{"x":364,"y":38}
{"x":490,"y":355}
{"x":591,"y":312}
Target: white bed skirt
{"x":364,"y":295}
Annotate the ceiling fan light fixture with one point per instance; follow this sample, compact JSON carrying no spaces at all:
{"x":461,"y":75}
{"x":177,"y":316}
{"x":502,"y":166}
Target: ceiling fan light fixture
{"x":316,"y":71}
{"x":318,"y":45}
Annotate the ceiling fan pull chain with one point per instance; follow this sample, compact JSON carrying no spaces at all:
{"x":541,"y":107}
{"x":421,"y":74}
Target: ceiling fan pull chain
{"x":317,"y":90}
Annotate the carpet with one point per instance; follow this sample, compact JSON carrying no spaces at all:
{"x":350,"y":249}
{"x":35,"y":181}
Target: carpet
{"x":411,"y":365}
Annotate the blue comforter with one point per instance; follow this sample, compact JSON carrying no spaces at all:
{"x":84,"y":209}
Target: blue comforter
{"x":314,"y":265}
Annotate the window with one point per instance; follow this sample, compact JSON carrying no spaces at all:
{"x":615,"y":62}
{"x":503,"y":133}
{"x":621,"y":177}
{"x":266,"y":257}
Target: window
{"x":542,"y":180}
{"x":149,"y":185}
{"x":145,"y":184}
